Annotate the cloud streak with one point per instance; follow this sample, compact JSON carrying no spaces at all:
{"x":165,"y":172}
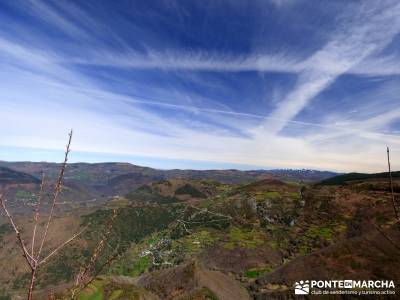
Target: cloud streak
{"x":197,"y":61}
{"x":366,"y":33}
{"x":186,"y":103}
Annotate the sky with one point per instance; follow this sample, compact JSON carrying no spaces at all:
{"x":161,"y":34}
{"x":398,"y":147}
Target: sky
{"x":202,"y":84}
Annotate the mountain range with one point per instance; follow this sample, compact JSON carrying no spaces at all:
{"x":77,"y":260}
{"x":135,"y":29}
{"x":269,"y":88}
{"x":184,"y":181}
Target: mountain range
{"x":88,"y":184}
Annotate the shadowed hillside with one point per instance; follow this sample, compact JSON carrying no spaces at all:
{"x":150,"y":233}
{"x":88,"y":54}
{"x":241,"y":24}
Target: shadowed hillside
{"x":10,"y":176}
{"x":345,"y":178}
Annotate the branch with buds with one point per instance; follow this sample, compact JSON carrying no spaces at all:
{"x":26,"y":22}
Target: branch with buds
{"x":86,"y":275}
{"x":34,"y":258}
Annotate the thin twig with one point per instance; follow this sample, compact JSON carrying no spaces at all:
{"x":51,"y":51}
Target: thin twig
{"x":83,"y":275}
{"x":29,"y":259}
{"x":57,"y":189}
{"x":102,"y":267}
{"x":32,"y":260}
{"x":386,"y":237}
{"x":391,"y":185}
{"x":62,"y":246}
{"x":79,"y":286}
{"x":99,"y":247}
{"x":36,"y":217}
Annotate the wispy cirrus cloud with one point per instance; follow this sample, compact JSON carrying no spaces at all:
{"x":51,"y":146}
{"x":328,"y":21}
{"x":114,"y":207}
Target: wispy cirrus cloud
{"x":185,"y":101}
{"x":197,"y":61}
{"x":369,"y":31}
{"x":65,"y":15}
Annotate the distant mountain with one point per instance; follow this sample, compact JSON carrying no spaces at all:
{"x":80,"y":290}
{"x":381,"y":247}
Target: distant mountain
{"x":344,"y":178}
{"x":9,"y":176}
{"x":301,"y":175}
{"x":116,"y":173}
{"x":92,"y":184}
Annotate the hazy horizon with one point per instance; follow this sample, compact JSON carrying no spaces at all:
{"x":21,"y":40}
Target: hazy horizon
{"x":164,"y":164}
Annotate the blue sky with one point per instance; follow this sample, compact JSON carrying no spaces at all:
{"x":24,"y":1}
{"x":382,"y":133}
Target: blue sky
{"x":202,"y":84}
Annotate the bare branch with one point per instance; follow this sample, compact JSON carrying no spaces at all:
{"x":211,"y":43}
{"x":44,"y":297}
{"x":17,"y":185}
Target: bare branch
{"x":391,"y":185}
{"x":99,"y":247}
{"x":62,"y":246}
{"x":386,"y":237}
{"x":82,"y":278}
{"x":32,"y":261}
{"x":36,"y":217}
{"x":102,"y":267}
{"x":56,"y":192}
{"x":81,"y":284}
{"x":29,"y":259}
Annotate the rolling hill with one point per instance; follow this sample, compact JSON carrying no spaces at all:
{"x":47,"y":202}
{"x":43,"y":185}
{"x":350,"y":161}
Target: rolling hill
{"x":176,"y":233}
{"x":203,"y":239}
{"x":88,"y":185}
{"x":346,"y":178}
